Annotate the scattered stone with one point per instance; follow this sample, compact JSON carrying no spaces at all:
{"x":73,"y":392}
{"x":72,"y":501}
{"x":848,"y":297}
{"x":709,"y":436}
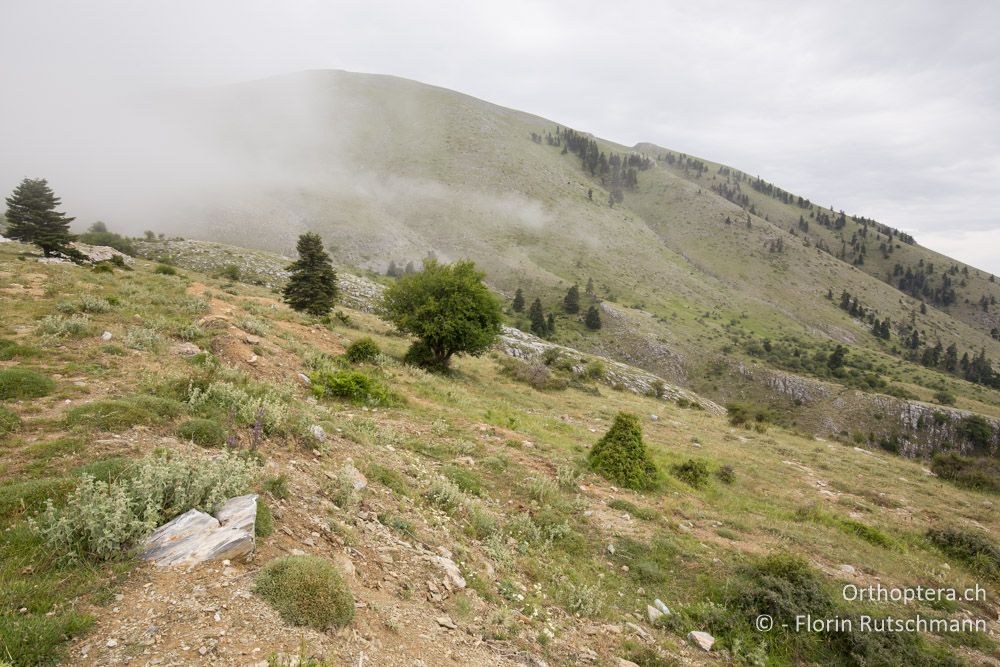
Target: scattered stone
{"x":847,"y":569}
{"x":622,"y":662}
{"x":453,"y":574}
{"x":106,"y":336}
{"x":446,"y":622}
{"x":658,"y":603}
{"x":702,"y":640}
{"x":251,"y":340}
{"x":653,"y":613}
{"x":655,"y":418}
{"x":317,"y":431}
{"x":185,"y":349}
{"x":358,"y":480}
{"x":611,"y":549}
{"x":304,"y":379}
{"x":112,"y":643}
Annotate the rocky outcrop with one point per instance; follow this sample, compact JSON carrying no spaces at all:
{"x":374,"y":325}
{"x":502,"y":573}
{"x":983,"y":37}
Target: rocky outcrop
{"x":195,"y":537}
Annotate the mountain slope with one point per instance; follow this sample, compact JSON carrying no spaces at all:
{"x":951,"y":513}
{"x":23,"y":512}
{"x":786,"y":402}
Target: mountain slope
{"x":391,"y":170}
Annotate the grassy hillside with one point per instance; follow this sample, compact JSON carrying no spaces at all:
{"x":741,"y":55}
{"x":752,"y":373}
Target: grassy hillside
{"x":390,"y":170}
{"x":559,"y":565}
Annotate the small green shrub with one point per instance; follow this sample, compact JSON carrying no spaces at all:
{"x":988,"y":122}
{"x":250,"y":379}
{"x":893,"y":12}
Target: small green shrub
{"x":119,"y":414}
{"x":75,"y":326}
{"x":466,"y":480}
{"x":306,"y":590}
{"x":944,"y":397}
{"x":142,"y":338}
{"x":389,"y":478}
{"x":692,"y":472}
{"x":85,"y":304}
{"x":253,"y":326}
{"x":18,"y":383}
{"x":165,"y":270}
{"x":363,"y":350}
{"x":749,"y":416}
{"x":277,"y":486}
{"x":445,"y":495}
{"x":351,"y":385}
{"x":11,"y":350}
{"x":30,"y":495}
{"x":203,"y":432}
{"x":231,"y":272}
{"x":230,"y":399}
{"x":977,"y":430}
{"x":974,"y":548}
{"x":103,"y":520}
{"x":621,"y":456}
{"x":535,"y":374}
{"x":595,"y":370}
{"x":264,"y":524}
{"x":9,"y":421}
{"x":782,"y":586}
{"x":726,"y":474}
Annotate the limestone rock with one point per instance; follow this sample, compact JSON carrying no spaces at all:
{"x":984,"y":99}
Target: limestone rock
{"x":653,"y":613}
{"x":317,"y":432}
{"x":185,"y":349}
{"x":358,"y":480}
{"x":106,"y":336}
{"x":658,"y":603}
{"x":702,"y":640}
{"x":451,"y":570}
{"x":195,"y":537}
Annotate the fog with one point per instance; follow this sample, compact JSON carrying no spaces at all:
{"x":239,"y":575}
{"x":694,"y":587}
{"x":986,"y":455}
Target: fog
{"x":890,"y":111}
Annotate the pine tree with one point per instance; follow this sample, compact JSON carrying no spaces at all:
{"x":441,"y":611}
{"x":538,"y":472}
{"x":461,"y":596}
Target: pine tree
{"x":538,"y":325}
{"x":593,"y":318}
{"x":571,"y":302}
{"x":32,"y":217}
{"x":590,"y":286}
{"x":518,"y":303}
{"x":550,"y":324}
{"x":312,"y":287}
{"x":393,"y":270}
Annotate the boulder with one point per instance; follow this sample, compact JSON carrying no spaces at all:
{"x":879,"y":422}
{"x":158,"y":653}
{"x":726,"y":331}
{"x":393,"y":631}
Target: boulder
{"x":185,"y":349}
{"x":451,"y":570}
{"x":653,"y":614}
{"x":195,"y":537}
{"x":702,"y":640}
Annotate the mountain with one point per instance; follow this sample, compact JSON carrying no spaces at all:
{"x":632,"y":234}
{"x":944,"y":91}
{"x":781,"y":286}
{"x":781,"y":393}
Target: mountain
{"x":705,"y":275}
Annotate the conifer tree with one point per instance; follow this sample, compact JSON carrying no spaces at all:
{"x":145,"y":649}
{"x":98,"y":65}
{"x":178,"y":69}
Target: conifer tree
{"x":571,"y":302}
{"x":393,"y":270}
{"x":518,"y":303}
{"x":550,"y":324}
{"x":590,"y":286}
{"x":593,"y":318}
{"x":312,"y":287}
{"x":32,"y":217}
{"x":538,"y":325}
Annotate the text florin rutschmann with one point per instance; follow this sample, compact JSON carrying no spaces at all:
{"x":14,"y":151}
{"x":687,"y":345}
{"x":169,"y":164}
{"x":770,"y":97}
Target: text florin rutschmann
{"x":883,"y":594}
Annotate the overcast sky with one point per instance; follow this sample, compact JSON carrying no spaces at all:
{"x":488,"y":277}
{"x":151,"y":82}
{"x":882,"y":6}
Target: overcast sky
{"x":886,"y":109}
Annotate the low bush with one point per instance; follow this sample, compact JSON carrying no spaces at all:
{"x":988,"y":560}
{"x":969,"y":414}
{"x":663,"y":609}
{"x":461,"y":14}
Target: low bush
{"x":466,"y":480}
{"x":973,"y":547}
{"x":142,"y":338}
{"x":971,"y":472}
{"x":58,"y":326}
{"x":306,"y":590}
{"x":246,"y":406}
{"x":978,"y":431}
{"x":30,"y":495}
{"x":944,"y":397}
{"x":389,"y":478}
{"x":351,"y":385}
{"x":621,"y":457}
{"x":11,"y":350}
{"x":9,"y":421}
{"x":643,"y":513}
{"x":253,"y":326}
{"x":104,"y":520}
{"x":18,"y":383}
{"x":726,"y":474}
{"x":264,"y":523}
{"x":277,"y":486}
{"x":535,"y":374}
{"x":445,"y":495}
{"x":165,"y":270}
{"x":363,"y":350}
{"x":110,"y":239}
{"x":85,"y":304}
{"x":782,"y":586}
{"x":692,"y":472}
{"x":203,"y":432}
{"x":119,"y":414}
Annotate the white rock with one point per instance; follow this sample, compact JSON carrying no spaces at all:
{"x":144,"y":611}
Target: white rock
{"x":112,"y":643}
{"x":358,"y":480}
{"x":658,"y":603}
{"x":451,"y":570}
{"x":847,"y":569}
{"x":304,"y":379}
{"x":195,"y":537}
{"x":653,"y":613}
{"x":446,"y":622}
{"x":106,"y":336}
{"x":185,"y":349}
{"x":655,"y":418}
{"x":702,"y":640}
{"x":622,"y":662}
{"x":317,"y":432}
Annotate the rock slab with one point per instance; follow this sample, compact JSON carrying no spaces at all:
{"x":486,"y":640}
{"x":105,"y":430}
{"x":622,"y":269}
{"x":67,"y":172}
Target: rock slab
{"x":195,"y":537}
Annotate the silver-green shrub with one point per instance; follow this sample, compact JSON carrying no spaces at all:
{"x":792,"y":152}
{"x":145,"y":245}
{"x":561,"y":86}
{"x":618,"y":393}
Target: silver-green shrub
{"x":270,"y":407}
{"x":103,"y":520}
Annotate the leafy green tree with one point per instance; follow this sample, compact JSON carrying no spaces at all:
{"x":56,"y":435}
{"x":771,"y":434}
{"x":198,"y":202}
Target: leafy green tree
{"x":621,"y":457}
{"x":448,"y":308}
{"x":539,"y":327}
{"x":518,"y":303}
{"x":836,"y":358}
{"x":571,"y":302}
{"x":593,"y":318}
{"x":32,"y":217}
{"x":312,"y":287}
